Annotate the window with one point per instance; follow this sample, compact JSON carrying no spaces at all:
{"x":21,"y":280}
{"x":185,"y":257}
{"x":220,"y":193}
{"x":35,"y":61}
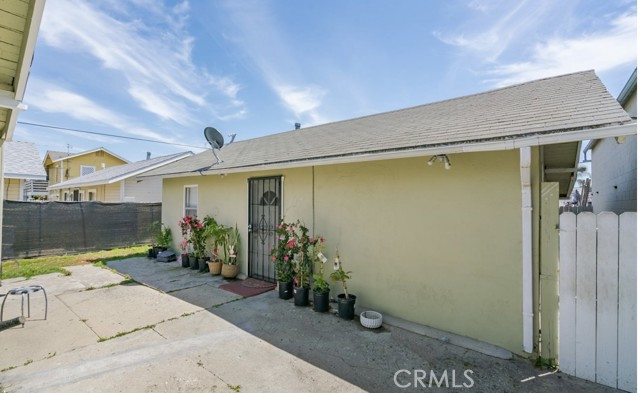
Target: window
{"x":66,"y":196}
{"x":91,"y":195}
{"x":190,"y":201}
{"x":86,"y":170}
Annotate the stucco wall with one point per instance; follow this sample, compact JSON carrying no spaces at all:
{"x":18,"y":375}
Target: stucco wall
{"x":12,"y":189}
{"x":436,"y":247}
{"x":614,"y":175}
{"x":95,"y":159}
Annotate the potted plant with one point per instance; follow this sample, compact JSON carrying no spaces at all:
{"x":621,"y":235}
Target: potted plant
{"x":156,"y":229}
{"x":282,"y":257}
{"x":346,"y":301}
{"x":216,"y":232}
{"x":304,"y":265}
{"x":184,"y":254}
{"x":232,"y":246}
{"x":185,"y":228}
{"x":320,"y":285}
{"x":198,"y":241}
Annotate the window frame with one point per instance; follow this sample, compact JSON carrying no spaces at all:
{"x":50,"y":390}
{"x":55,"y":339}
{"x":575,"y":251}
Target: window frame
{"x":184,"y":200}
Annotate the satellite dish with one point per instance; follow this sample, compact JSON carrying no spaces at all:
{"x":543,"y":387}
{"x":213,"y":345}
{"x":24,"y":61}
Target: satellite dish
{"x":215,"y":139}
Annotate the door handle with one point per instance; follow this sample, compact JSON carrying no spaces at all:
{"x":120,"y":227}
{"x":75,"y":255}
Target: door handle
{"x":249,"y":228}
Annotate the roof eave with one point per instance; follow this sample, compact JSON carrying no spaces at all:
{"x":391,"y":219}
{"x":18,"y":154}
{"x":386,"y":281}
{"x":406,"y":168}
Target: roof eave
{"x":150,"y":168}
{"x":24,"y":176}
{"x":453,"y":148}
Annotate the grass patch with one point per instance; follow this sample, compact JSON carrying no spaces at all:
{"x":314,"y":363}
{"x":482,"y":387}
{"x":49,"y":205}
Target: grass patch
{"x":28,"y":268}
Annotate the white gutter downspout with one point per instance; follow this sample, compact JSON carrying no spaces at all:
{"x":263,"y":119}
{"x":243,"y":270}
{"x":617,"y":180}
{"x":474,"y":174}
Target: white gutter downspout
{"x":527,"y":244}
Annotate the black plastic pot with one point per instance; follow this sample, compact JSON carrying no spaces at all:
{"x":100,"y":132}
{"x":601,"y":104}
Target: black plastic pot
{"x":320,"y":302}
{"x":301,"y":296}
{"x":202,"y":265}
{"x":193,"y":263}
{"x":285,"y":290}
{"x":346,"y":307}
{"x":185,"y":260}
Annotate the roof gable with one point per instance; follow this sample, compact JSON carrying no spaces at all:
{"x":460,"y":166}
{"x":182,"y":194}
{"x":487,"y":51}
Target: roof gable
{"x":55,"y":156}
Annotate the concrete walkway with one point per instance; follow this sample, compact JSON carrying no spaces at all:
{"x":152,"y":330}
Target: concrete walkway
{"x":174,"y":330}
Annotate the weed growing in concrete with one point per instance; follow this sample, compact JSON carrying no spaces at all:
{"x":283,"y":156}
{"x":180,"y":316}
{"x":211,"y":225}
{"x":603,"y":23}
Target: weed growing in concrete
{"x":120,"y":334}
{"x":235,"y":388}
{"x":8,"y":368}
{"x":28,"y":362}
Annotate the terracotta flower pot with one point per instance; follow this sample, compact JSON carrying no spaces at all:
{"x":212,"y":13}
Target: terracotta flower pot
{"x":215,"y":267}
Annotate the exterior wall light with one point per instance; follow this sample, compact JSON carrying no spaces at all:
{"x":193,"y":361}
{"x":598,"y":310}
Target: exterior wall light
{"x":440,"y":158}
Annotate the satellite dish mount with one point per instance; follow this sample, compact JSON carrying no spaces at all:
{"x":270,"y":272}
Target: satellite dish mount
{"x":216,"y":140}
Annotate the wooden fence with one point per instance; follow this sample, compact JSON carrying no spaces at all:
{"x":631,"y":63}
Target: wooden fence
{"x":598,"y":298}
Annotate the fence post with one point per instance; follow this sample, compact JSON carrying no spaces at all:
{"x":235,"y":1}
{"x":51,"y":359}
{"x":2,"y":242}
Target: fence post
{"x":627,"y":317}
{"x":567,"y":345}
{"x":607,"y":295}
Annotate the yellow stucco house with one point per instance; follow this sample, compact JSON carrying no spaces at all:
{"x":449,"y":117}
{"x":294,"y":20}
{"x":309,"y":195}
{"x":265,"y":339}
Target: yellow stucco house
{"x":440,"y":210}
{"x":119,"y":183}
{"x":63,"y":167}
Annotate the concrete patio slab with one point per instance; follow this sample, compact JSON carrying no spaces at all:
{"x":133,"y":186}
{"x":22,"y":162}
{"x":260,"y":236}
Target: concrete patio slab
{"x":39,"y":338}
{"x":260,"y":343}
{"x":122,"y":308}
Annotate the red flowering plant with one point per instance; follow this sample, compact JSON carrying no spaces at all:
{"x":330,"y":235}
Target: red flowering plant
{"x":284,"y":251}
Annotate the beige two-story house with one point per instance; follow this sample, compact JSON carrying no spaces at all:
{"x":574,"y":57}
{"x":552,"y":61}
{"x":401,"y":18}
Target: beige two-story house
{"x":62,"y":167}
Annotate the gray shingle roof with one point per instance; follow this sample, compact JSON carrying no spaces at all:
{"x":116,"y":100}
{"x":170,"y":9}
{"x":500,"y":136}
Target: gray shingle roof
{"x":552,"y":105}
{"x":56,"y":155}
{"x":22,"y":161}
{"x":120,"y":172}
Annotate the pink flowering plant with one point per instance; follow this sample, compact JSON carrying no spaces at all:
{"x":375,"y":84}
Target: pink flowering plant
{"x":193,"y":231}
{"x":284,"y":251}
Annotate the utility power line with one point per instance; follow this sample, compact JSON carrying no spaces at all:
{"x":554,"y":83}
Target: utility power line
{"x":104,"y":134}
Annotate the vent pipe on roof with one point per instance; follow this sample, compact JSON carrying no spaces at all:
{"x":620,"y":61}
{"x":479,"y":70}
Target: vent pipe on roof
{"x":148,"y":155}
{"x":297,"y":125}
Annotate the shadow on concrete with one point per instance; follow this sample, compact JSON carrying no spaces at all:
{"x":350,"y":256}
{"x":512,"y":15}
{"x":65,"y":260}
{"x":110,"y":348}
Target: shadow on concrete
{"x":374,"y":360}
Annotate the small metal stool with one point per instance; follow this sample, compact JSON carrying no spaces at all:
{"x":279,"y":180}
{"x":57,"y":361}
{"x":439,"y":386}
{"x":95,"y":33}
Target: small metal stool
{"x":22,"y":291}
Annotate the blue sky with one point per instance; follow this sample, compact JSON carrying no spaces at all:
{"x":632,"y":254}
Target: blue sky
{"x":166,"y":70}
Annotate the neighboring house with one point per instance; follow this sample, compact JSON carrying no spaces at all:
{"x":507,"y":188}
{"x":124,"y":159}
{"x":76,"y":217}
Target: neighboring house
{"x":24,"y":176}
{"x":614,"y":162}
{"x":459,"y":249}
{"x":118,"y":183}
{"x":62,"y":167}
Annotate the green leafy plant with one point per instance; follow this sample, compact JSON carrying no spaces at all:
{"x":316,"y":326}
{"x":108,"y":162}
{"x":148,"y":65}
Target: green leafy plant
{"x":216,"y":233}
{"x":339,"y":275}
{"x":162,"y":233}
{"x":320,"y":285}
{"x":231,"y":245}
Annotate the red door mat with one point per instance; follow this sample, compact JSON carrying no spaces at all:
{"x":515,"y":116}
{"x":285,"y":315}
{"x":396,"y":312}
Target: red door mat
{"x":249,"y":287}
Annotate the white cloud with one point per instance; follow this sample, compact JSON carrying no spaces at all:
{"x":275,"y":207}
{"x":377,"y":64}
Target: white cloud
{"x":601,"y":51}
{"x":505,"y":27}
{"x":155,"y":57}
{"x":54,"y":99}
{"x":257,"y":33}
